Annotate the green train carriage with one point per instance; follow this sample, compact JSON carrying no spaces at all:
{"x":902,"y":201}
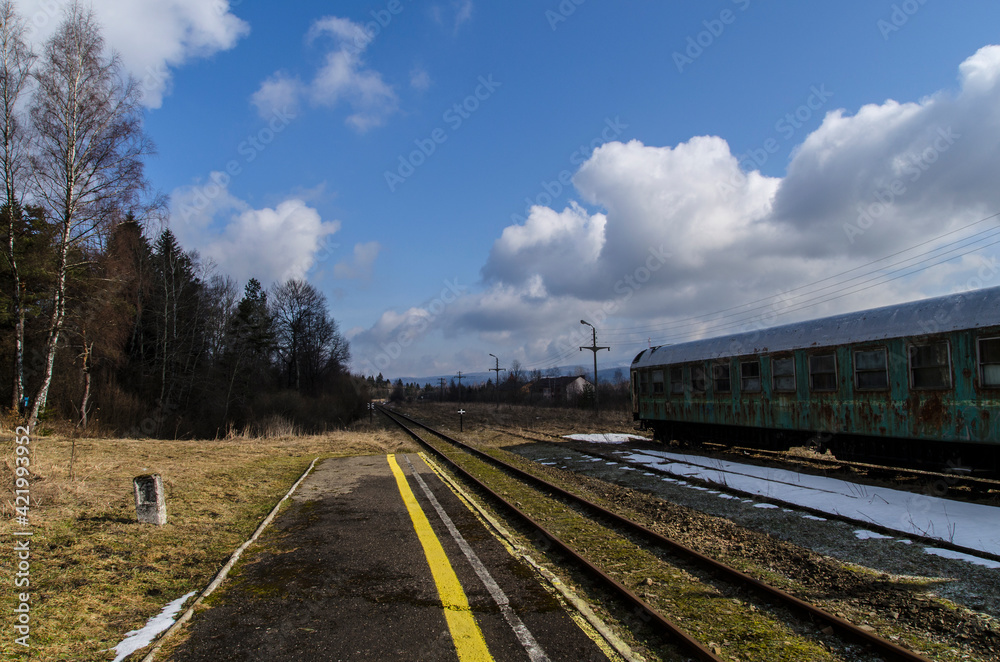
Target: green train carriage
{"x":914,"y":384}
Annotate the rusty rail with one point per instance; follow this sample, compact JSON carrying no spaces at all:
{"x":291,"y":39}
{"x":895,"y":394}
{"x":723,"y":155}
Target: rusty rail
{"x":867,"y":524}
{"x":883,"y":646}
{"x":692,"y":645}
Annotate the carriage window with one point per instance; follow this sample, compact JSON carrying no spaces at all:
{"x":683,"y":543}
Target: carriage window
{"x":750,"y":376}
{"x":657,"y":382}
{"x":783,"y":370}
{"x":698,"y":378}
{"x":871,"y":369}
{"x":930,"y":365}
{"x":720,"y":378}
{"x":823,"y":372}
{"x":677,"y":380}
{"x":989,"y":361}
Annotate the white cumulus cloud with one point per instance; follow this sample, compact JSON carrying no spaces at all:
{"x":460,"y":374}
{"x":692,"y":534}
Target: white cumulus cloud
{"x":672,"y":234}
{"x":420,"y":79}
{"x":270,"y":244}
{"x":559,"y":249}
{"x":457,"y":13}
{"x":362,"y":263}
{"x":153,"y":38}
{"x":281,"y":93}
{"x":344,"y":78}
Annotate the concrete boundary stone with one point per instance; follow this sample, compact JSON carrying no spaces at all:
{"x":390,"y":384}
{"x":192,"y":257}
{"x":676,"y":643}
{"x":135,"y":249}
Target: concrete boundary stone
{"x":150,"y":499}
{"x":221,"y":575}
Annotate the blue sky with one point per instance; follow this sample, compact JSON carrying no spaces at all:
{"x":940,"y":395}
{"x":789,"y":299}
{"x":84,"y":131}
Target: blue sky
{"x":431,"y":166}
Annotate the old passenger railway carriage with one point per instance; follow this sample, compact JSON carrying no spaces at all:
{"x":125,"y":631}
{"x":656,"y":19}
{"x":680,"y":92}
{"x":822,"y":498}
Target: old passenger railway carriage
{"x":914,"y":384}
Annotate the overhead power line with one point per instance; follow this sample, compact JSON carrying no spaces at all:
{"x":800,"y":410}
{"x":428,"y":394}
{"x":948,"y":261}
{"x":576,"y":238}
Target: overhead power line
{"x":872,"y":274}
{"x":693,"y":321}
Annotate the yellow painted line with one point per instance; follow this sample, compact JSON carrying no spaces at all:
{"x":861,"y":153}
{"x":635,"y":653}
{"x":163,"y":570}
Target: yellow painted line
{"x":465,"y":632}
{"x":596,"y":630}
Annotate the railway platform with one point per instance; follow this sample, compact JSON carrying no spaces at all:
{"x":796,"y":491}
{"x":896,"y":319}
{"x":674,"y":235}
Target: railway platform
{"x":379,"y":559}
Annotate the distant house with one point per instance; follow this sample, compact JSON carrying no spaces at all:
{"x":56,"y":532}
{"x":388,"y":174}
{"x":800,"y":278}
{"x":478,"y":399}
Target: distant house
{"x":557,"y":388}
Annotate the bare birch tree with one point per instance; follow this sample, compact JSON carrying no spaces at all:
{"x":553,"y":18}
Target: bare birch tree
{"x":88,"y":160}
{"x":16,"y":60}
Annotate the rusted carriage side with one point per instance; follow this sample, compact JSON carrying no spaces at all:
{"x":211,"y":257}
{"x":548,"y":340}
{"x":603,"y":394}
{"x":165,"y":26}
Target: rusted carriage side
{"x":917,"y":383}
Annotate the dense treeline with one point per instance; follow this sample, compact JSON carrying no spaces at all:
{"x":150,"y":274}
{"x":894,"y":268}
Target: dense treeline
{"x":106,"y":321}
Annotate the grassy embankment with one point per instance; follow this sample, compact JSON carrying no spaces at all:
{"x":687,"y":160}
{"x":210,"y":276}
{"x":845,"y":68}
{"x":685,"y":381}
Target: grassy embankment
{"x":95,"y":572}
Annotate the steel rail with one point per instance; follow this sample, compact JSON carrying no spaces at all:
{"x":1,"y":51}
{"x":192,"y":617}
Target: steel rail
{"x":976,"y":483}
{"x":695,"y":647}
{"x":868,"y":524}
{"x":848,"y":629}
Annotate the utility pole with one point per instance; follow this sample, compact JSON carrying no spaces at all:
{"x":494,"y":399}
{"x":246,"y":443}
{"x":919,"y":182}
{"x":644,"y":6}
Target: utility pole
{"x":441,"y":379}
{"x":594,"y":348}
{"x":496,"y":384}
{"x":459,"y":375}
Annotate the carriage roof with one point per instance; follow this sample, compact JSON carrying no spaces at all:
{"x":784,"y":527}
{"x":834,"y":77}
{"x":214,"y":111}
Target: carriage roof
{"x":954,"y":312}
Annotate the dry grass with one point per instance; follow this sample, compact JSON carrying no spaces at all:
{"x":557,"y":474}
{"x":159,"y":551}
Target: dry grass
{"x":95,"y":572}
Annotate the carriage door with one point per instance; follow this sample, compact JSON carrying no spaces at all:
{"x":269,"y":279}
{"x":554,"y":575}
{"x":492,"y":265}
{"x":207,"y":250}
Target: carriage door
{"x":635,"y":392}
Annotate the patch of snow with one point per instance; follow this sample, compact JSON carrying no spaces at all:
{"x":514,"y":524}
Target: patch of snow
{"x":766,"y":506}
{"x":814,"y":518}
{"x":861,"y":534}
{"x":605,"y":438}
{"x":949,"y":554}
{"x":970,"y":525}
{"x":138,"y":639}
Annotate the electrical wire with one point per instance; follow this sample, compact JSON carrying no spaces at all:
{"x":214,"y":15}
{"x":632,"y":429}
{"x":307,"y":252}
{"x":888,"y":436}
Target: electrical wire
{"x":724,"y":319}
{"x":992,"y":232}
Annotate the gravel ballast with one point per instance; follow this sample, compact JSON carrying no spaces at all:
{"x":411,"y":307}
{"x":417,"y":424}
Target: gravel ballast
{"x":865,"y":578}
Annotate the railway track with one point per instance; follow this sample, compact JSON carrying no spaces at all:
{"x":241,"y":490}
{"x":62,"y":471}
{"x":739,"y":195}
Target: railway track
{"x":866,"y":524}
{"x":812,"y":619}
{"x":972,"y":485}
{"x":934,"y":483}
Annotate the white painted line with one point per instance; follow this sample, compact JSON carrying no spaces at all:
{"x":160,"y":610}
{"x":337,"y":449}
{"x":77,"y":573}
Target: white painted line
{"x":599,"y":632}
{"x":534,"y":650}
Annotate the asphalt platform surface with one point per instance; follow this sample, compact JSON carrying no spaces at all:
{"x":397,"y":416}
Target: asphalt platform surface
{"x":342,"y":575}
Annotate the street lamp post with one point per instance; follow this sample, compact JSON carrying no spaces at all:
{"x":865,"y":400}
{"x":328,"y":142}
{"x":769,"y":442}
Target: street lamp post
{"x":594,"y":348}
